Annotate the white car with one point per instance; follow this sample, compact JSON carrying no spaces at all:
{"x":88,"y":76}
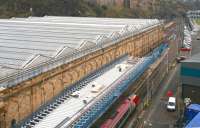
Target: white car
{"x":171,"y":104}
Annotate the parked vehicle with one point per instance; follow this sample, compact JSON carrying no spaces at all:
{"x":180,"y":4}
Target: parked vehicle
{"x":122,"y":112}
{"x":171,"y":104}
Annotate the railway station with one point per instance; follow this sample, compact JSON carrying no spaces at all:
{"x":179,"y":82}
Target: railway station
{"x":60,"y":72}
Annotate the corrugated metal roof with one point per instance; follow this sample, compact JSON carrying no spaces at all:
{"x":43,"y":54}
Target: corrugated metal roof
{"x":47,"y":38}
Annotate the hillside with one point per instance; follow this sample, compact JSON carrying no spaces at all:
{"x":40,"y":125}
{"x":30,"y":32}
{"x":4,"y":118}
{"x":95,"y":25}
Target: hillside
{"x":25,"y":8}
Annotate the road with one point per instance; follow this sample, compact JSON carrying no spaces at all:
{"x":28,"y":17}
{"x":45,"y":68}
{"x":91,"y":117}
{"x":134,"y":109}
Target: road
{"x":157,"y":115}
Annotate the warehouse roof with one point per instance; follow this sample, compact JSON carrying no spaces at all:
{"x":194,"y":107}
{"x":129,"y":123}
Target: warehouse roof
{"x":28,"y":42}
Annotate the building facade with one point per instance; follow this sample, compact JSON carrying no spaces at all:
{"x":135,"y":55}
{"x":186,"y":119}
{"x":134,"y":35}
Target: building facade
{"x":190,"y":78}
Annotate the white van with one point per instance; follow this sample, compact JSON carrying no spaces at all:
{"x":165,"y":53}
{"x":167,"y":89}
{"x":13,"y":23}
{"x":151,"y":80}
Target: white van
{"x":171,"y":104}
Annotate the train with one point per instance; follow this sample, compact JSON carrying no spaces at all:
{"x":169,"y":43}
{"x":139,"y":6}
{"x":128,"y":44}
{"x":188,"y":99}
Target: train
{"x":122,"y":112}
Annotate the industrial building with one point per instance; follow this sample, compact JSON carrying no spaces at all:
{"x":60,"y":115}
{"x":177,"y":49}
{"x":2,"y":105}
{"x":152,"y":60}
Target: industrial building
{"x":190,"y":78}
{"x":48,"y":62}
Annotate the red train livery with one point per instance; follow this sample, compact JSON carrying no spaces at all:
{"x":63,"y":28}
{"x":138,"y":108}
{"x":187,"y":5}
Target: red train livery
{"x":122,"y":112}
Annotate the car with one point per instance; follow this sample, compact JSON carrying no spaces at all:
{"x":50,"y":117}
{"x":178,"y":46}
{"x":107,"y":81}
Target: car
{"x":171,"y":104}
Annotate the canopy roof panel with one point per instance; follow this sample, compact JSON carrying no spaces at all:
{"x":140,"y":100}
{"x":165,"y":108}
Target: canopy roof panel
{"x":36,"y":40}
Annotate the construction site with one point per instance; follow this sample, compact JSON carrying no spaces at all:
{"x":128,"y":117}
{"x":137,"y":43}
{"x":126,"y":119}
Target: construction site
{"x":60,"y":72}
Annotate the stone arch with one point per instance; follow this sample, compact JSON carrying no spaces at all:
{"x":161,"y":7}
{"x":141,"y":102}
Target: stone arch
{"x":48,"y":91}
{"x":2,"y":119}
{"x":37,"y":96}
{"x":25,"y":104}
{"x":67,"y":78}
{"x":94,"y":65}
{"x":104,"y":59}
{"x":129,"y":47}
{"x":88,"y":67}
{"x":58,"y":84}
{"x":80,"y":70}
{"x":74,"y":75}
{"x":98,"y":62}
{"x":112,"y":55}
{"x":12,"y":109}
{"x":119,"y":51}
{"x":95,"y":62}
{"x":124,"y":49}
{"x":108,"y":58}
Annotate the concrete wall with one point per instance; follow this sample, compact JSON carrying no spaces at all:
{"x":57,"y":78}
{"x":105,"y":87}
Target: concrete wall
{"x":25,"y":98}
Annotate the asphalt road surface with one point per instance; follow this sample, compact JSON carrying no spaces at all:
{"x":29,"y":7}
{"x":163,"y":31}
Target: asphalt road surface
{"x":157,"y":115}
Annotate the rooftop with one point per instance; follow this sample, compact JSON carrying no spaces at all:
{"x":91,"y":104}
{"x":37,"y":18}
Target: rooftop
{"x":27,"y":43}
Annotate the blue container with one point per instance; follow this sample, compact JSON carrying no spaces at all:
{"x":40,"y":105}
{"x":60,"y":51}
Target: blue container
{"x":195,"y":122}
{"x":191,"y":111}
